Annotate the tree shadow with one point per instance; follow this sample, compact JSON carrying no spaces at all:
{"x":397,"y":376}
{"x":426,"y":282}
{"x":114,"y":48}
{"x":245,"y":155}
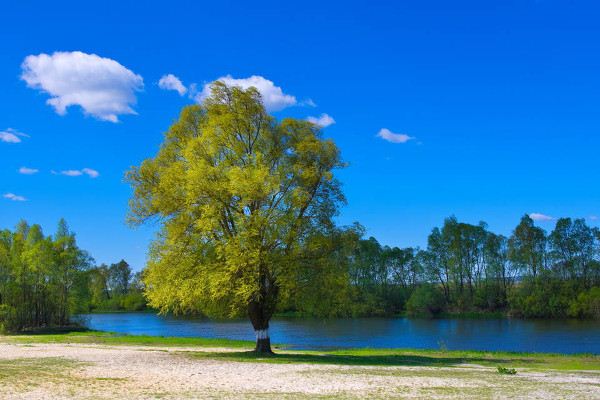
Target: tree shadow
{"x":360,"y":360}
{"x":54,"y":330}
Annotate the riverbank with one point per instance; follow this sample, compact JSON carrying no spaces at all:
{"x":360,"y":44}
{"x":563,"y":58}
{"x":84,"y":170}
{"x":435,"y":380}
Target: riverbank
{"x":103,"y":365}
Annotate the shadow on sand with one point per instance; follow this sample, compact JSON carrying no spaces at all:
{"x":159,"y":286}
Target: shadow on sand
{"x":366,"y":360}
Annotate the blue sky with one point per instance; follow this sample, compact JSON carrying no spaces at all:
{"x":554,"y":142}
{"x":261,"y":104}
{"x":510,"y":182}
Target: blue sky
{"x":499,"y":102}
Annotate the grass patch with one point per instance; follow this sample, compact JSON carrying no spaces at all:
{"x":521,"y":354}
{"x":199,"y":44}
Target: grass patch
{"x":24,"y":369}
{"x":110,"y":338}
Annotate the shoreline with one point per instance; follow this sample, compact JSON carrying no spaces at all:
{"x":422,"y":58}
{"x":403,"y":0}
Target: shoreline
{"x":82,"y":335}
{"x":87,"y":336}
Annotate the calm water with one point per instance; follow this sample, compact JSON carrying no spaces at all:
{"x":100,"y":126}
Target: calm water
{"x":454,"y":334}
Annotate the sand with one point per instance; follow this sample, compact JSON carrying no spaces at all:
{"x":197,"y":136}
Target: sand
{"x":79,"y":371}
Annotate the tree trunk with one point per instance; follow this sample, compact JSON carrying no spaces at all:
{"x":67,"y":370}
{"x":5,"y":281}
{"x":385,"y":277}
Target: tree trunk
{"x":263,"y":341}
{"x":259,"y":317}
{"x":260,"y":310}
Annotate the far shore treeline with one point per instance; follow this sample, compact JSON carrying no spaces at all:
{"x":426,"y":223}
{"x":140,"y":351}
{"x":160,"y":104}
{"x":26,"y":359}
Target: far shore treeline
{"x":45,"y":280}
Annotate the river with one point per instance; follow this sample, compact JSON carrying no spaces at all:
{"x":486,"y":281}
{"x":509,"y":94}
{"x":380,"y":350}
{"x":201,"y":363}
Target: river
{"x":550,"y":336}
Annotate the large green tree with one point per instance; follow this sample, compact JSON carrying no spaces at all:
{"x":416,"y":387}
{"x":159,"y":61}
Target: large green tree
{"x":239,"y":196}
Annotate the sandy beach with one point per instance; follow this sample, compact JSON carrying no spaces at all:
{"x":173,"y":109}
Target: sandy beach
{"x":90,"y":371}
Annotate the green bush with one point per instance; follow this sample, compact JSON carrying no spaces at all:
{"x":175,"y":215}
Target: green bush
{"x":507,"y":371}
{"x":586,"y":305}
{"x":425,"y":300}
{"x":134,"y":301}
{"x":8,"y":320}
{"x":544,"y":298}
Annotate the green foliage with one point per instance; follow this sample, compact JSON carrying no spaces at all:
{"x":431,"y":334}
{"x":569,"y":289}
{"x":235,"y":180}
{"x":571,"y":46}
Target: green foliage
{"x":586,"y":305}
{"x":42,"y":280}
{"x":527,"y":247}
{"x":382,"y":278}
{"x":134,"y":301}
{"x":8,"y":318}
{"x":426,"y":300}
{"x":115,"y":288}
{"x":530,"y":274}
{"x":507,"y":371}
{"x":246,"y":204}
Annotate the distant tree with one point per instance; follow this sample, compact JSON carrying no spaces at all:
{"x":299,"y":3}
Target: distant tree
{"x":572,"y":249}
{"x":436,"y":261}
{"x":239,"y":195}
{"x":69,"y":261}
{"x":119,"y":275}
{"x":499,"y":272}
{"x":527,"y":247}
{"x":98,"y":284}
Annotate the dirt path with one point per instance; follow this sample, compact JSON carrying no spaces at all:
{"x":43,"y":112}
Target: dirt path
{"x":60,"y":371}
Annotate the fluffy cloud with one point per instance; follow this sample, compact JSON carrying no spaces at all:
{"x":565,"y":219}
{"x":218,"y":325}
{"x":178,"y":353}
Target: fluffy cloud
{"x":102,"y":87}
{"x":171,"y":82}
{"x":11,"y":136}
{"x":324,"y":120}
{"x":92,"y":173}
{"x":28,"y":171}
{"x":273,"y":97}
{"x":14,"y":197}
{"x":392,"y":137}
{"x":540,"y":217}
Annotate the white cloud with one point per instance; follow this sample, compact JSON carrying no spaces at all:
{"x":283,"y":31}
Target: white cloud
{"x":102,"y":87}
{"x":14,"y":197}
{"x":92,"y":173}
{"x":593,"y":217}
{"x":272,"y":96}
{"x":308,"y":103}
{"x":392,"y":137}
{"x":28,"y":171}
{"x":11,"y":136}
{"x":71,"y":172}
{"x":171,"y":82}
{"x":324,"y":120}
{"x":540,"y":217}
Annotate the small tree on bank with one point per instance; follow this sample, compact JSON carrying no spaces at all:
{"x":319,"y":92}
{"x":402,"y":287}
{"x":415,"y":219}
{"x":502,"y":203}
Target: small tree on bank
{"x":240,"y":197}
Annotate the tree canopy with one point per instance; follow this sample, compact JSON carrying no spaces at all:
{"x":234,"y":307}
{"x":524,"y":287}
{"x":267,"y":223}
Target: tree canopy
{"x":246,"y":204}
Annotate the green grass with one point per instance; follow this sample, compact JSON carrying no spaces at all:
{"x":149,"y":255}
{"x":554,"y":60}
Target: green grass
{"x":352,"y":357}
{"x":110,"y":338}
{"x":423,"y":358}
